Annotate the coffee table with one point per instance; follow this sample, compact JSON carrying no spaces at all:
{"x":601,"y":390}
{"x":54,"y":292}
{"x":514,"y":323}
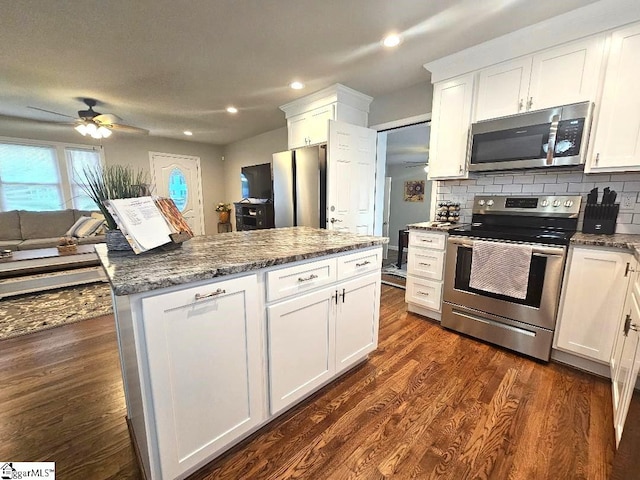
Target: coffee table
{"x":41,"y":269}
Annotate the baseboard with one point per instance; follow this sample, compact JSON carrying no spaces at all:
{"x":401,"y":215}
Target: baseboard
{"x":586,"y":365}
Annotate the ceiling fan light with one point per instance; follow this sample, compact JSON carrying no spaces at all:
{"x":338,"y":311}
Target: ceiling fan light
{"x":91,"y":129}
{"x":104,"y":132}
{"x":81,"y":129}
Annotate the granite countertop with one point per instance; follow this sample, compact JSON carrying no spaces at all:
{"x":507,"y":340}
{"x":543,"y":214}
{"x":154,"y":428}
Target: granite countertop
{"x":206,"y":257}
{"x":433,"y":226}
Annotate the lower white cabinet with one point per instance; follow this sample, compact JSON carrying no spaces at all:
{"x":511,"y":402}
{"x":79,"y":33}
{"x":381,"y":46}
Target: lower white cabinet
{"x":592,"y":300}
{"x":313,"y":337}
{"x":625,"y":357}
{"x":204,"y":348}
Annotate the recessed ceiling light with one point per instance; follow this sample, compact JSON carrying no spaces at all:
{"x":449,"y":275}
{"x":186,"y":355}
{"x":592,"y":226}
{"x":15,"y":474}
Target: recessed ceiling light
{"x":232,"y":110}
{"x":391,"y":40}
{"x":188,"y":133}
{"x":297,"y":85}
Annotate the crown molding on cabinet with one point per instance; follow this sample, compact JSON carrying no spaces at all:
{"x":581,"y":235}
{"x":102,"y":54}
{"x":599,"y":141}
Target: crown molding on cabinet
{"x":335,"y":93}
{"x":589,"y":20}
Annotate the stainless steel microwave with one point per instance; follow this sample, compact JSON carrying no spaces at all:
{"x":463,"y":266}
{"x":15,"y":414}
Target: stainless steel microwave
{"x":553,"y":137}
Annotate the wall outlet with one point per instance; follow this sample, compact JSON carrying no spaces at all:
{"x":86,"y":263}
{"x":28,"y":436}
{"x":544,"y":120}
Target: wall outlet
{"x":628,"y":200}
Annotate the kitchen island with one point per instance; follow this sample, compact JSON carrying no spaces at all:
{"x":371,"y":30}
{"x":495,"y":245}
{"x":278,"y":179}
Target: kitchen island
{"x":220,"y":336}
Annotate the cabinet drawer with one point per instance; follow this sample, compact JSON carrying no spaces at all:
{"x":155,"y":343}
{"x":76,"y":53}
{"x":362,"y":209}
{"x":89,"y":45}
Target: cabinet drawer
{"x":424,"y":262}
{"x":427,"y":240}
{"x":425,"y":293}
{"x":360,"y":262}
{"x":299,"y":279}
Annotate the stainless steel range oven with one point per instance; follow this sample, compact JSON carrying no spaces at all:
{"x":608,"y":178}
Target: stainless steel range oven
{"x":525,"y":323}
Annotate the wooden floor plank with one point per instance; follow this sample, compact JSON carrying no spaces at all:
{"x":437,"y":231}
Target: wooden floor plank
{"x":429,"y":403}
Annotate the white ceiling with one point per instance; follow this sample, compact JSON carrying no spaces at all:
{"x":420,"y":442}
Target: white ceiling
{"x":173,"y":65}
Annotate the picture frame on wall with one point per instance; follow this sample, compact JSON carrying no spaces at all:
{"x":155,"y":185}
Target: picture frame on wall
{"x":414,"y":190}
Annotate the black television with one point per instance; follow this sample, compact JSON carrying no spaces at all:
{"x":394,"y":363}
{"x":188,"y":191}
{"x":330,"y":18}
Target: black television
{"x":257,"y":181}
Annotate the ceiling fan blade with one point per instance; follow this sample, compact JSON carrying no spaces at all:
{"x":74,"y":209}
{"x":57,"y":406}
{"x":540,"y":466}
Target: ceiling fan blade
{"x":118,"y":127}
{"x":108,"y":118}
{"x":49,"y":111}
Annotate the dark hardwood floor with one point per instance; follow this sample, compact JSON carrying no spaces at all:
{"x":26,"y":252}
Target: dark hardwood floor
{"x":428,"y":404}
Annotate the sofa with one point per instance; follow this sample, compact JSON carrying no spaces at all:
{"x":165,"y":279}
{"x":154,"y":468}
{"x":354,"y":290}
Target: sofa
{"x":26,"y":230}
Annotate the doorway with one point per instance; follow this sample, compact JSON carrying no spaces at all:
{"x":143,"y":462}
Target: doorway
{"x":178,"y":177}
{"x":410,"y":196}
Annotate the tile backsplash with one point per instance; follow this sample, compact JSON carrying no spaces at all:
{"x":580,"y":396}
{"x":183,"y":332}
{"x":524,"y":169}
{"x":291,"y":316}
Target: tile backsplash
{"x":534,"y":182}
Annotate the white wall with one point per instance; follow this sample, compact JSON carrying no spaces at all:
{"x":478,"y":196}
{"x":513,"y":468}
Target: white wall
{"x":402,"y":213}
{"x":134,"y":150}
{"x":252,"y":151}
{"x":405,"y":103}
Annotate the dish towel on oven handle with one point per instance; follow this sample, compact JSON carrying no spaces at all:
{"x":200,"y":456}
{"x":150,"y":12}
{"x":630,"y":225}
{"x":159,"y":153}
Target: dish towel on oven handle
{"x":501,"y":268}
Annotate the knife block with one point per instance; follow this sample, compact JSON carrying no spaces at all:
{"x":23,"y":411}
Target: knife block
{"x":600,"y":218}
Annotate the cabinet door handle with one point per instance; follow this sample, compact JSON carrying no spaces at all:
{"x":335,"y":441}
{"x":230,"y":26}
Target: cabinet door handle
{"x":344,"y":294}
{"x":520,"y":105}
{"x":335,"y":297}
{"x":460,"y":170}
{"x":627,"y":324}
{"x":530,"y":103}
{"x":597,"y":158}
{"x":366,"y":262}
{"x":200,"y":296}
{"x":310,"y":277}
{"x":628,"y":269}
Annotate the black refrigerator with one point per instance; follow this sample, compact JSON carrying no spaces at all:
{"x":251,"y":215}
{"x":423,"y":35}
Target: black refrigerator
{"x":300,"y":187}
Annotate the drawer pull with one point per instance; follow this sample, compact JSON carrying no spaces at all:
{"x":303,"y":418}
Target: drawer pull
{"x":425,"y":264}
{"x":310,"y":277}
{"x":428,"y":240}
{"x":423,"y":293}
{"x":200,"y":296}
{"x":366,"y":262}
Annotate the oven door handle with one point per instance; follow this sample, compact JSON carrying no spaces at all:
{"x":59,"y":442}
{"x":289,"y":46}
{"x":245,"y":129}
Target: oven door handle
{"x":538,"y":250}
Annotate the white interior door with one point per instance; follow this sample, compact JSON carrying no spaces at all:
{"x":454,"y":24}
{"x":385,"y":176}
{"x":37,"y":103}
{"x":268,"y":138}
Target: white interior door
{"x":178,"y":177}
{"x":351,"y":187}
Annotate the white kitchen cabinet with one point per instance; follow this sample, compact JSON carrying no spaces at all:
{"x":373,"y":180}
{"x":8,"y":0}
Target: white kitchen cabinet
{"x":625,"y":358}
{"x":557,"y":76}
{"x":450,"y":122}
{"x":425,"y":272}
{"x":616,"y":145}
{"x":308,"y":117}
{"x":315,"y":336}
{"x":205,"y":369}
{"x":357,"y":313}
{"x":593,"y":296}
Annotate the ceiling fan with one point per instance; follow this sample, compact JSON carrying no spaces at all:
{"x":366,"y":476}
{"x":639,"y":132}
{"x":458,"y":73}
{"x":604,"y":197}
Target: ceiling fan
{"x":96,"y":124}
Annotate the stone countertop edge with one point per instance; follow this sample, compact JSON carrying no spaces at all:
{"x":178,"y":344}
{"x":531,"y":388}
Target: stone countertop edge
{"x":627,"y":241}
{"x":432,"y":226}
{"x":208,"y":257}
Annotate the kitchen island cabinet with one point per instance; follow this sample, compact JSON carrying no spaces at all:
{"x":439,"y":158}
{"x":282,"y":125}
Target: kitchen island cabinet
{"x":209,"y":334}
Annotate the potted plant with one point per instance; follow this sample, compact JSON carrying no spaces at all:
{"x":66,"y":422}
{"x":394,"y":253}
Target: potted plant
{"x":110,"y":182}
{"x":223,"y":210}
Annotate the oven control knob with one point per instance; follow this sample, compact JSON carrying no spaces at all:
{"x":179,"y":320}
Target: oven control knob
{"x":489,"y":202}
{"x":556,"y":203}
{"x":568,"y":203}
{"x":481,"y":203}
{"x":544,"y":203}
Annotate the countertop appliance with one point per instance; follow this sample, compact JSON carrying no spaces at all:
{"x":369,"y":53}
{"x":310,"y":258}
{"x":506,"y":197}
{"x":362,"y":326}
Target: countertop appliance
{"x":300,"y":187}
{"x":526,"y":325}
{"x":553,"y":137}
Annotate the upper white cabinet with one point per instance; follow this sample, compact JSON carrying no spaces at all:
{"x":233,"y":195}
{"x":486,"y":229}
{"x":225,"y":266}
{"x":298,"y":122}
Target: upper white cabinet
{"x":307,"y":117}
{"x":450,"y":120}
{"x":616,"y":145}
{"x":557,"y":76}
{"x":204,"y":349}
{"x":587,"y":322}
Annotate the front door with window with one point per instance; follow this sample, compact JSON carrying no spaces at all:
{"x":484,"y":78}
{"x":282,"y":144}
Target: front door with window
{"x":178,"y":177}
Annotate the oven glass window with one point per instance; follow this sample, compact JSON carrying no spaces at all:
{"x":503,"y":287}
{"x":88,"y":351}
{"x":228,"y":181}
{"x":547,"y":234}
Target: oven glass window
{"x":507,"y":145}
{"x":534,"y":289}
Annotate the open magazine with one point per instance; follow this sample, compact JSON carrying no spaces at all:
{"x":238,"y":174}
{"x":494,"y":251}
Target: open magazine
{"x":149,"y":222}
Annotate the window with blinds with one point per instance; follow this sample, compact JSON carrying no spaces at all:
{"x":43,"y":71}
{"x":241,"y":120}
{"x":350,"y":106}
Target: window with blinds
{"x":44,"y":177}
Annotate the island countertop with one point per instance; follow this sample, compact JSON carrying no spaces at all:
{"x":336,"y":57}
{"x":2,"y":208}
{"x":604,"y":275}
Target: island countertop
{"x":207,"y":257}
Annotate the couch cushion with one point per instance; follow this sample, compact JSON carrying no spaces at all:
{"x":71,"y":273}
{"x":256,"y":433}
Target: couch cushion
{"x":10,"y":225}
{"x":39,"y":243}
{"x":45,"y":224}
{"x":83,"y":213}
{"x":10,"y":244}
